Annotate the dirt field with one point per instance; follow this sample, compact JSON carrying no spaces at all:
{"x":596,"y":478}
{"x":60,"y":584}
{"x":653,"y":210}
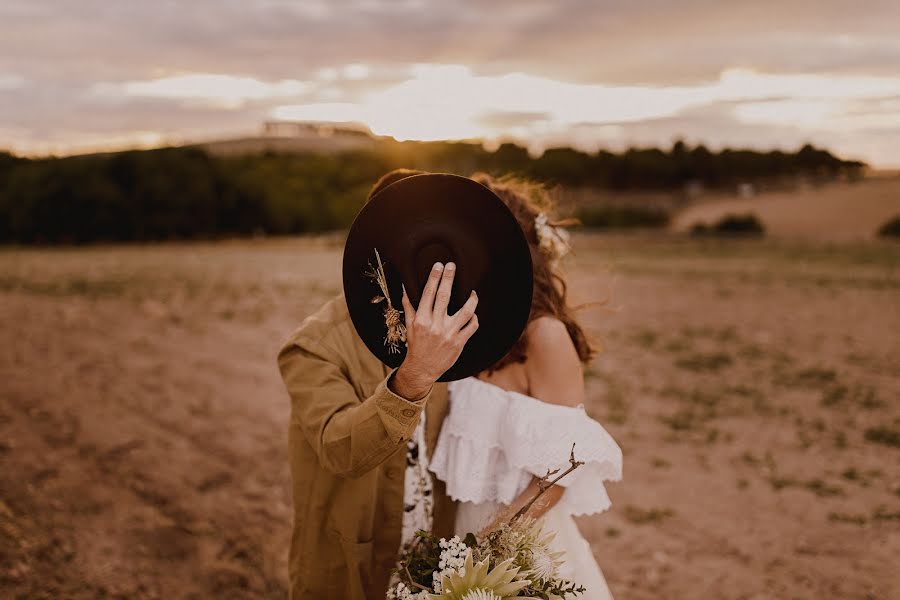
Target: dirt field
{"x":754,"y":387}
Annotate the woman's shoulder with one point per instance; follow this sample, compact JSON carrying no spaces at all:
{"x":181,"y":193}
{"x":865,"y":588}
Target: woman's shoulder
{"x":553,"y":367}
{"x":546,"y":329}
{"x":548,"y":343}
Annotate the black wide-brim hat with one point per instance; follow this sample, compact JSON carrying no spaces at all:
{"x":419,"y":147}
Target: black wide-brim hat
{"x":431,"y":217}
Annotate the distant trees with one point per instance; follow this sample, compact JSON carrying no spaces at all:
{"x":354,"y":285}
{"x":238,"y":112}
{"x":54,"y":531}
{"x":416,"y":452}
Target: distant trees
{"x":185,"y":192}
{"x":159,"y":194}
{"x":652,"y":168}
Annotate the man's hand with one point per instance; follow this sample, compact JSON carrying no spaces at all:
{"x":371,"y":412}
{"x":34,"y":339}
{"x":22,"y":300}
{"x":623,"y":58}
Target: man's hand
{"x":434,"y":339}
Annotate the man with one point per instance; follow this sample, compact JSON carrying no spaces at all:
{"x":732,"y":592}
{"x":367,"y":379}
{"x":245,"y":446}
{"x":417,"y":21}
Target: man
{"x":352,"y":418}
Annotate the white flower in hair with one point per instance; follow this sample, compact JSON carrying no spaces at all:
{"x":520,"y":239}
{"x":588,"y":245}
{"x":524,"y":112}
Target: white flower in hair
{"x":553,"y":241}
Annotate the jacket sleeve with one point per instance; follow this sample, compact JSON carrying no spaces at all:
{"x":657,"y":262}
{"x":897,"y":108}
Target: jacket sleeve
{"x":349,"y":435}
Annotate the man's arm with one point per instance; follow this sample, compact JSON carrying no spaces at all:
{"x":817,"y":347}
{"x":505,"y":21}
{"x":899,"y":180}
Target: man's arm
{"x":352,"y":437}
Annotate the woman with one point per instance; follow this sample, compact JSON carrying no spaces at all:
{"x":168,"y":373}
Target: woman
{"x":512,"y":423}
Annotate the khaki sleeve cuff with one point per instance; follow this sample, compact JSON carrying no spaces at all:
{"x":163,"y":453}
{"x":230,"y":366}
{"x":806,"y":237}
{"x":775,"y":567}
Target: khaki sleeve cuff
{"x":399,"y":415}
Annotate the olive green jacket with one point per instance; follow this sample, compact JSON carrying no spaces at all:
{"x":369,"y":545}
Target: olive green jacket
{"x":347,"y":444}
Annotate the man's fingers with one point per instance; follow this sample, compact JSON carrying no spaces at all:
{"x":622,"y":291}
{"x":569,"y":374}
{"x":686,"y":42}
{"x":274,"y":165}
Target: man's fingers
{"x":467,"y":331}
{"x":409,"y":313}
{"x":462,"y":316}
{"x":427,"y":300}
{"x":442,"y":299}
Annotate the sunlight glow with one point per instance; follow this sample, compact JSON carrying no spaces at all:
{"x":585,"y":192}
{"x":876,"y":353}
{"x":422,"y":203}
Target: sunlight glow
{"x":88,"y":142}
{"x":450,"y":102}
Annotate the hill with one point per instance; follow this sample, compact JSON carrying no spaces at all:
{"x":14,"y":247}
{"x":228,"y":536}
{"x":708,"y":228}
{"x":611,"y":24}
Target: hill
{"x":839,"y":210}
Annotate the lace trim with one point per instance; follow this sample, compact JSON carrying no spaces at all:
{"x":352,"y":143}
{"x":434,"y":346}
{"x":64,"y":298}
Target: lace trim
{"x":494,"y":440}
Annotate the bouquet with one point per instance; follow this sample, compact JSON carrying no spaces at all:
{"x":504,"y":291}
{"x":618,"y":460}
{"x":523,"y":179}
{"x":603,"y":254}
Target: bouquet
{"x":514,"y":560}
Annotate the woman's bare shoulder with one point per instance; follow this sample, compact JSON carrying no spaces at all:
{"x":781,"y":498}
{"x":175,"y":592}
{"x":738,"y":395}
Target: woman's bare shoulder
{"x":546,"y":330}
{"x":553,"y":368}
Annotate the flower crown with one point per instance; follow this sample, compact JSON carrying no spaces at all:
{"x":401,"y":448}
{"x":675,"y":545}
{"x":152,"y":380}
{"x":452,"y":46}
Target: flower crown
{"x":552,"y":239}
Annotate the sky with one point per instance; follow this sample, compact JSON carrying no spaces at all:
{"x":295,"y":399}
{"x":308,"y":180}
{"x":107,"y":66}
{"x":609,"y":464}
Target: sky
{"x":87,"y":75}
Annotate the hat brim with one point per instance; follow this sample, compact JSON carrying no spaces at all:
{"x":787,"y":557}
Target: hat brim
{"x":422,"y":219}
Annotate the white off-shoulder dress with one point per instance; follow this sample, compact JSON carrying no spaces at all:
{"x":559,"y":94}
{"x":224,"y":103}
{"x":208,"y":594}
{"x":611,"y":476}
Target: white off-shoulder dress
{"x":491,"y":444}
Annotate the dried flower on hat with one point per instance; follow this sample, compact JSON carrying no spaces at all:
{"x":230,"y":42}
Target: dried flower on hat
{"x":393,"y":321}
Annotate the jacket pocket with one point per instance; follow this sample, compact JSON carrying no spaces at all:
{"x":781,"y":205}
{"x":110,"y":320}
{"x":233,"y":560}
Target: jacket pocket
{"x":358,"y":557}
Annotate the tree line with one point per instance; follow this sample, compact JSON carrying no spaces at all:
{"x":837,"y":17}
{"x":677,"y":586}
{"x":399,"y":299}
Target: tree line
{"x":176,"y":193}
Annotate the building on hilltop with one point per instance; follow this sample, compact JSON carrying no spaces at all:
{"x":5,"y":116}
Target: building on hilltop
{"x":299,"y":137}
{"x":315,"y":129}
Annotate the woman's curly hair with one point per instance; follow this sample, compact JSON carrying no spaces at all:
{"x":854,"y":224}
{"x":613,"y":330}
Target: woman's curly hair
{"x":526,"y":199}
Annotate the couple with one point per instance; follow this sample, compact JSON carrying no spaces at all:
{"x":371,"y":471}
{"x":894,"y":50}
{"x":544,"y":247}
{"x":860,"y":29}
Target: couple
{"x":377,"y":452}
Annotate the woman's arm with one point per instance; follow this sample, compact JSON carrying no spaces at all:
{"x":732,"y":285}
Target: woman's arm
{"x":556,"y":376}
{"x":547,"y":500}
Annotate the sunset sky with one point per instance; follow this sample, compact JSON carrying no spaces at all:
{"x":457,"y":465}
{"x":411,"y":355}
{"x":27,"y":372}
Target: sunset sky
{"x":83,"y":75}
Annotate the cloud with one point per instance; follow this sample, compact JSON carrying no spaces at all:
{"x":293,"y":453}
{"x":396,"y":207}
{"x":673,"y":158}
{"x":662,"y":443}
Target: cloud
{"x":556,"y":70}
{"x":588,"y":40}
{"x":224,"y":91}
{"x":11,"y":81}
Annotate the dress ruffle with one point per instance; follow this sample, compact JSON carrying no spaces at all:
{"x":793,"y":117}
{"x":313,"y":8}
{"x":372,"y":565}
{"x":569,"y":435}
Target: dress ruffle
{"x":494,"y":440}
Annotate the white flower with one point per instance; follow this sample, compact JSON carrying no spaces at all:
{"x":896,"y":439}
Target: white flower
{"x":401,"y":592}
{"x":436,"y":581}
{"x":481,"y":595}
{"x":553,"y":241}
{"x":543,"y":563}
{"x":453,"y":555}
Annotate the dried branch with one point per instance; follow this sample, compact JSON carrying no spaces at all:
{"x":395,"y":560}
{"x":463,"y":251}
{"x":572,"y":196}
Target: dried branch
{"x":545,"y":484}
{"x":412,"y":581}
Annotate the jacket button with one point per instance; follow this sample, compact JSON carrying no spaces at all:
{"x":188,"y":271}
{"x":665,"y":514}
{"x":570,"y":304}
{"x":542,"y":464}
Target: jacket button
{"x":390,"y":473}
{"x":408,"y":412}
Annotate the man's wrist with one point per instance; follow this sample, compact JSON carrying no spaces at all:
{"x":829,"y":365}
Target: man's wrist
{"x":409,"y":385}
